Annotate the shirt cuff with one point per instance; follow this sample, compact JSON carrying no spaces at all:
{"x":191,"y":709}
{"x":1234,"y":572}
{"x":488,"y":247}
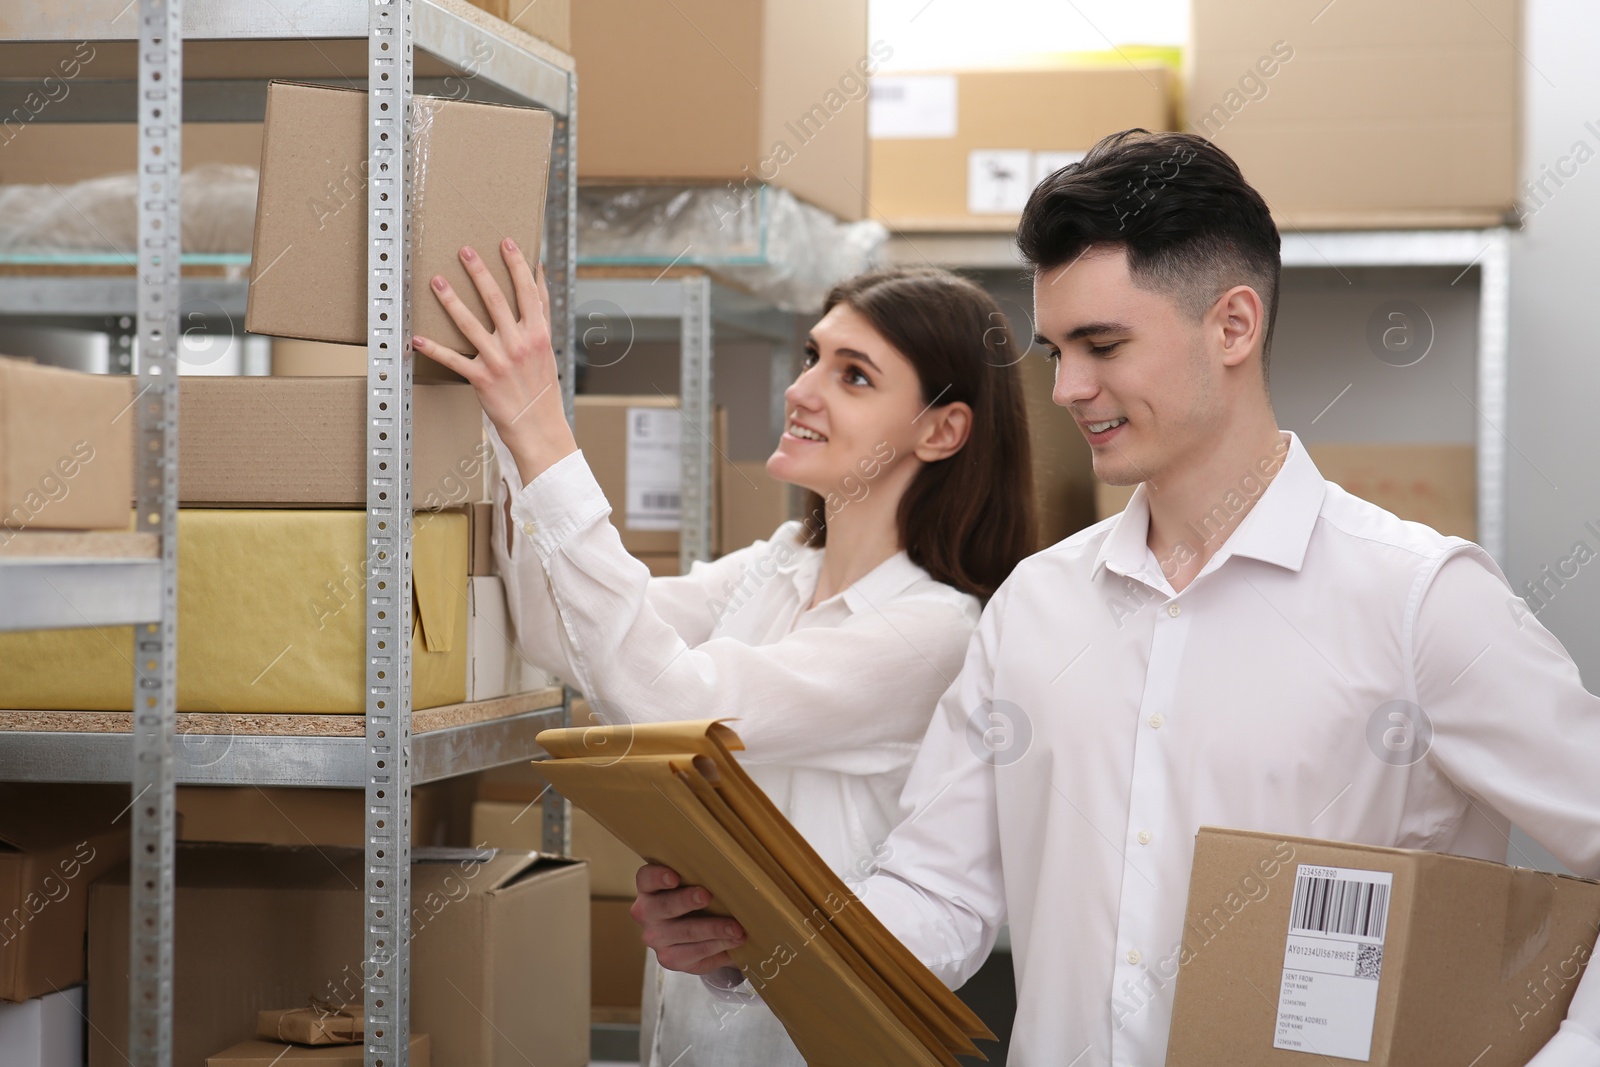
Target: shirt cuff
{"x":1573,"y":1046}
{"x":727,"y":984}
{"x":562,"y":500}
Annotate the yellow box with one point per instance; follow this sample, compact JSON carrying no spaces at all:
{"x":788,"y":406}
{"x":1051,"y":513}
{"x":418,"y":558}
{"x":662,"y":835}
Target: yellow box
{"x":271,"y":618}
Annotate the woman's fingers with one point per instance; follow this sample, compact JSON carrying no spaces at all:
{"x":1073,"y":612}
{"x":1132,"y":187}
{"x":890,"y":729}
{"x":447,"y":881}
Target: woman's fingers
{"x":462,"y":316}
{"x":530,"y":306}
{"x":489,"y":291}
{"x":447,"y":357}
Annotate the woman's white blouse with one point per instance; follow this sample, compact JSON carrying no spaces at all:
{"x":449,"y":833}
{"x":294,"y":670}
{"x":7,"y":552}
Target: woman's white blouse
{"x":831,"y":702}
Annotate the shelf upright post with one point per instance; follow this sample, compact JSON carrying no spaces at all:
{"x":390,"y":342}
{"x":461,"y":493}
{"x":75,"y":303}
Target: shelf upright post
{"x":1494,"y":309}
{"x":561,"y":244}
{"x":155,"y":670}
{"x":694,"y":396}
{"x":387,"y":971}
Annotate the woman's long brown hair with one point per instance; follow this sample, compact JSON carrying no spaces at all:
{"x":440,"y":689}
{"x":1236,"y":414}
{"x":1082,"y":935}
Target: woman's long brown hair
{"x":967,"y":519}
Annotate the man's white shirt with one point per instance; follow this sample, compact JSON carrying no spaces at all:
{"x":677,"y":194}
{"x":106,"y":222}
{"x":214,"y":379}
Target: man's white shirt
{"x":1100,"y":719}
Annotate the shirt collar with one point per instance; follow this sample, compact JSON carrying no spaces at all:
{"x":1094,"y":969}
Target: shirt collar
{"x":1277,"y":530}
{"x":884,"y":582}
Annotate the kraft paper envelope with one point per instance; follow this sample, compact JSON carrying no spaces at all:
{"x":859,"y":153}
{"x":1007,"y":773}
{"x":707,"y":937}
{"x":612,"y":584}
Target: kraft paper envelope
{"x":846,"y":989}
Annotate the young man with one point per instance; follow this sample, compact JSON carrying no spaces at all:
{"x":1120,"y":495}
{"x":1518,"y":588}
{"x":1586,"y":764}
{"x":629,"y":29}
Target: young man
{"x":1246,"y":645}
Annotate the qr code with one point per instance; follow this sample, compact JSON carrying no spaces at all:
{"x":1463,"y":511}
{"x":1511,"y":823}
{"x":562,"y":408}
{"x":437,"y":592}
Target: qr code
{"x":1369,"y":960}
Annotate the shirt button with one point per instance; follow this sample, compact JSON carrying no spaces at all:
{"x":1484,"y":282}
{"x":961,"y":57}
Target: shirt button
{"x":1173,"y":610}
{"x":1144,"y":837}
{"x":528,"y":528}
{"x":1156,"y":721}
{"x":1133,"y":956}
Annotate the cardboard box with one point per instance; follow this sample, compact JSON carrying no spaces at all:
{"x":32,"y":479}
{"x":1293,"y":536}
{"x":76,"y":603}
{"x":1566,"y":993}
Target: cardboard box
{"x":478,"y":176}
{"x":66,"y":449}
{"x":661,"y":564}
{"x":1431,"y":484}
{"x":294,"y":357}
{"x":480,"y":554}
{"x":300,"y":441}
{"x":964,"y":149}
{"x":1064,"y":484}
{"x":617,"y":955}
{"x":271,"y":618}
{"x":784,"y":85}
{"x":631,"y":443}
{"x":496,"y":667}
{"x":1391,"y":956}
{"x":548,"y":20}
{"x":285,"y":816}
{"x":54,"y":841}
{"x":751,"y":504}
{"x":499,"y":952}
{"x":1430,"y":88}
{"x":43,"y":1032}
{"x":270,"y":1053}
{"x":513,"y":824}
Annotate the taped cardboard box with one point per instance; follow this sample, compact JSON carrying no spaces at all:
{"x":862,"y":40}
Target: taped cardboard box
{"x":265,"y":926}
{"x":256,"y":1053}
{"x":1431,"y":88}
{"x":271,"y":618}
{"x":303,"y":441}
{"x":631,"y":443}
{"x":66,"y":449}
{"x":1390,"y":956}
{"x":963,"y":149}
{"x":1431,"y":484}
{"x":479,"y":173}
{"x":789,"y":81}
{"x":54,"y":841}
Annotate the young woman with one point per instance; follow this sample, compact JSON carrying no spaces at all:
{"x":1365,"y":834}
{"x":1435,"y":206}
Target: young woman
{"x":830,"y":642}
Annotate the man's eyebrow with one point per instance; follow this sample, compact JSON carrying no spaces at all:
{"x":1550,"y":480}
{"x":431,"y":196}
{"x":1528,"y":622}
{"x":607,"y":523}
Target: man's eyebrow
{"x":1088,"y":329}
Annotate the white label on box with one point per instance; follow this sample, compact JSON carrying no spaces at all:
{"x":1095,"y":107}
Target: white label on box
{"x":1047,"y":163}
{"x":1332,"y":961}
{"x":905,"y":106}
{"x":655,"y":473}
{"x":998,"y":180}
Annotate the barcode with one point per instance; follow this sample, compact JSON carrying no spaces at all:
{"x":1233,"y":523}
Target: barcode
{"x":660,"y":500}
{"x":1339,"y":906}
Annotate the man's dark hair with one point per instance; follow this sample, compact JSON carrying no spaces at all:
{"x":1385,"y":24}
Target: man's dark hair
{"x":1192,"y":226}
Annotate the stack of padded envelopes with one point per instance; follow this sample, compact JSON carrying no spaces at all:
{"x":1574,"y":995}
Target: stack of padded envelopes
{"x":846,"y":989}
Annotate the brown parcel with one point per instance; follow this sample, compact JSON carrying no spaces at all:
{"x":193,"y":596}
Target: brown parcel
{"x":921,"y":182}
{"x":323,"y":1023}
{"x":271,"y":926}
{"x":1381,"y":114}
{"x":271,"y":1053}
{"x":270,"y":619}
{"x":303,"y":441}
{"x":66,"y":449}
{"x":845,"y":989}
{"x":1475,"y":963}
{"x":54,"y":841}
{"x":789,"y":81}
{"x":478,"y":174}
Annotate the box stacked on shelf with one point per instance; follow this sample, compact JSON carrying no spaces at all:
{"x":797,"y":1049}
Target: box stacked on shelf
{"x":961,"y":150}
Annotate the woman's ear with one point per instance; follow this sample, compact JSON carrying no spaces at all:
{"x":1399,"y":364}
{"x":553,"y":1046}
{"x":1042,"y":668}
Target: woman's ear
{"x":944,"y":432}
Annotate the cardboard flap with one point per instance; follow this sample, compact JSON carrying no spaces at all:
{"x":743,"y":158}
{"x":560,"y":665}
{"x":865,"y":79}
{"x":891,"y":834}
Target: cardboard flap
{"x":496,"y":868}
{"x":439,"y":545}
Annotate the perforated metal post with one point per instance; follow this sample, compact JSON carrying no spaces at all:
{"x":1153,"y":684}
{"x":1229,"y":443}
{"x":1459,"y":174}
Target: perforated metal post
{"x":694,"y":538}
{"x":155,"y":671}
{"x":388,"y":589}
{"x":555,"y":811}
{"x":561,"y":244}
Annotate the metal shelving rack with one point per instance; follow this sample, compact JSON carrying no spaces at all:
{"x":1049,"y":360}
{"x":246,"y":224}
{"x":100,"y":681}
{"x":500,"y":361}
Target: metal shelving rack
{"x":136,"y":581}
{"x":693,"y":309}
{"x":1486,"y":249}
